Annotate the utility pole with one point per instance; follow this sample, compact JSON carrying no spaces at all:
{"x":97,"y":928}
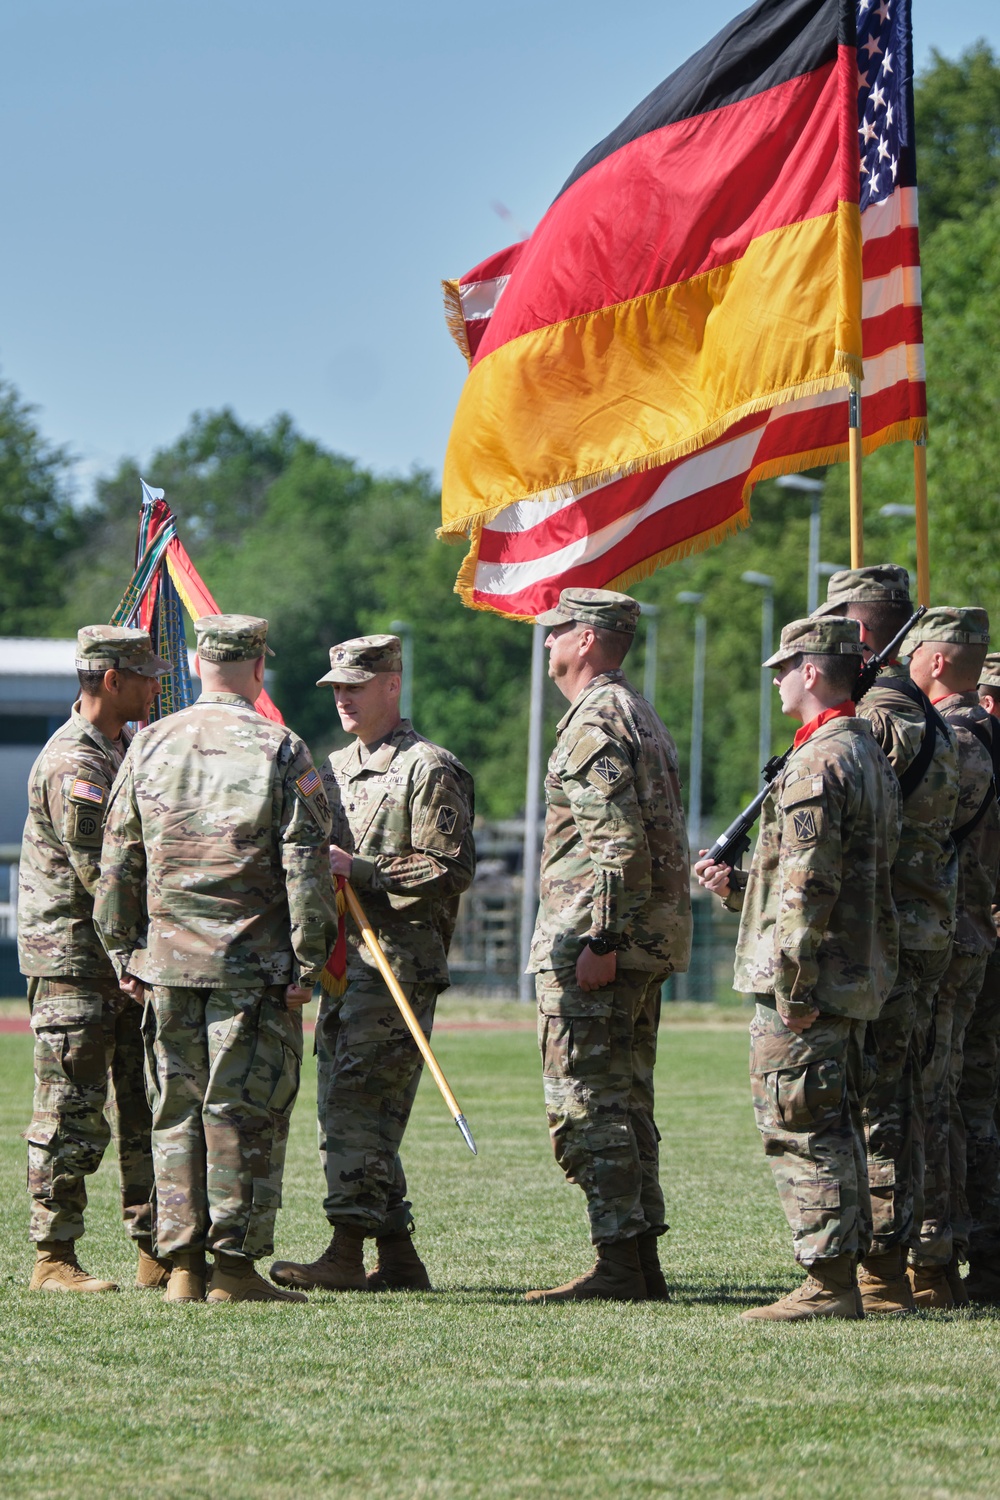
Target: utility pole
{"x":650,"y":613}
{"x":765,"y":582}
{"x":404,"y":630}
{"x":697,"y":717}
{"x":803,"y":485}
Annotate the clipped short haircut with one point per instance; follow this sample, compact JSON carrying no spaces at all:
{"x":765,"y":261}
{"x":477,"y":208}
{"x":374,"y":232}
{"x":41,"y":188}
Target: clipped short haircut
{"x":91,"y":682}
{"x":615,"y":644}
{"x":967,"y":657}
{"x":882,"y":618}
{"x":841,"y":672}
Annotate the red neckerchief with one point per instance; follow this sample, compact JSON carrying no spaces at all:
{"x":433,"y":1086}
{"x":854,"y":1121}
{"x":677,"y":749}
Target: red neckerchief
{"x":845,"y":710}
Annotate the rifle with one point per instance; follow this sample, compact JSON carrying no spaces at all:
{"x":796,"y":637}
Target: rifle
{"x":730,"y":847}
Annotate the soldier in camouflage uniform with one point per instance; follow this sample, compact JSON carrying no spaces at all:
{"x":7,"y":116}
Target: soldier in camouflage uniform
{"x":614,"y":921}
{"x":924,"y":755}
{"x":817,"y":949}
{"x":948,"y":647}
{"x":977,"y":1095}
{"x":85,"y":1027}
{"x":402,"y":833}
{"x":215,"y":894}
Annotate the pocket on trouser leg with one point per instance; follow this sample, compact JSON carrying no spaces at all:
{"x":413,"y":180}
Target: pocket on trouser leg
{"x":558,"y":994}
{"x":807,"y":1099}
{"x":823,"y":1224}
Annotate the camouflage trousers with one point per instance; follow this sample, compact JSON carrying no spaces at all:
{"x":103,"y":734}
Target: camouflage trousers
{"x":893,"y":1105}
{"x":598,"y":1054}
{"x":87,"y":1035}
{"x":942,"y":1228}
{"x":806,"y":1098}
{"x":977,"y":1102}
{"x":368,"y":1069}
{"x":223,"y":1073}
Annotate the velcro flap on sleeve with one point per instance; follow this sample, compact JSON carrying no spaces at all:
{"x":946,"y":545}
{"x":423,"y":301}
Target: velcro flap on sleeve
{"x":804,"y":807}
{"x":600,"y":761}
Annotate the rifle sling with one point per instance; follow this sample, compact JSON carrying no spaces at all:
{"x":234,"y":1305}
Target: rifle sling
{"x":933,"y":726}
{"x":988,"y":739}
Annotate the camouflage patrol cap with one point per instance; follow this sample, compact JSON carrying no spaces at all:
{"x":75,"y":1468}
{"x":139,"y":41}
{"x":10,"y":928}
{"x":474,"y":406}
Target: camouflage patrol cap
{"x":832,"y":636}
{"x":101,"y":647}
{"x":602,"y":608}
{"x":989,"y":677}
{"x":364,"y":658}
{"x":963,"y":625}
{"x":231,"y":638}
{"x":884,"y":583}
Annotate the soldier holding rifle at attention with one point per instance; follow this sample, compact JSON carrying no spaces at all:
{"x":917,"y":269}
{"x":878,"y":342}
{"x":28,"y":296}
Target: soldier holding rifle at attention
{"x":947,"y":652}
{"x":924,"y":755}
{"x":402,"y":834}
{"x":85,"y":1025}
{"x":215,"y":899}
{"x":614,"y":921}
{"x":817,"y":949}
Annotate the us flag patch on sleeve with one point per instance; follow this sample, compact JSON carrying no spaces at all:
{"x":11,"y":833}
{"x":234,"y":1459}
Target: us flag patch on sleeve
{"x":309,"y":782}
{"x":86,"y":791}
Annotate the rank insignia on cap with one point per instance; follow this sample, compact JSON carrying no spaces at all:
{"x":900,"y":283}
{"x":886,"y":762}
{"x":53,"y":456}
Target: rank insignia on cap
{"x":86,"y":791}
{"x":804,"y":824}
{"x":309,"y":782}
{"x":607,"y":770}
{"x":447,"y":819}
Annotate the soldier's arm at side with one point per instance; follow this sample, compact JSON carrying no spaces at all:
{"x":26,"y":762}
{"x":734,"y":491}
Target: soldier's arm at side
{"x":78,"y":796}
{"x":442,"y":861}
{"x":600,"y":784}
{"x":811,"y":875}
{"x":120,"y":896}
{"x":305,"y":840}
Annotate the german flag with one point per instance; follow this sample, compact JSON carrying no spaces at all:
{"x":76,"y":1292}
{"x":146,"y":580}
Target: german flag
{"x":701,"y":265}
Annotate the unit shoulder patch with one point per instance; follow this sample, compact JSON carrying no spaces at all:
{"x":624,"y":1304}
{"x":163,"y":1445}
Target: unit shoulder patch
{"x":447,"y":819}
{"x":804,"y":825}
{"x":607,"y":770}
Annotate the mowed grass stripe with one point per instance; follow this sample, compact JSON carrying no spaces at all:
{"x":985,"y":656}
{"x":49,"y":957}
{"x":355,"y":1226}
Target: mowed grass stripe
{"x":467,"y":1391}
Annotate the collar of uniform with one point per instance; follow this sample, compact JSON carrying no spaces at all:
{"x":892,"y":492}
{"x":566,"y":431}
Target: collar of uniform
{"x":237,"y":699}
{"x":894,"y":669}
{"x":845,"y":710}
{"x":382,"y":756}
{"x":957,"y":700}
{"x":601,"y":680}
{"x":84,"y":726}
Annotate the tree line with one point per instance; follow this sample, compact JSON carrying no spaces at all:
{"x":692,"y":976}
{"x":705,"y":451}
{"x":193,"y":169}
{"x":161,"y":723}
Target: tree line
{"x":280,"y":526}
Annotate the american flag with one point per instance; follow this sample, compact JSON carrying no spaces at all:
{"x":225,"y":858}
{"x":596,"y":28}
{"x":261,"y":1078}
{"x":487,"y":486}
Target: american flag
{"x":621,"y":531}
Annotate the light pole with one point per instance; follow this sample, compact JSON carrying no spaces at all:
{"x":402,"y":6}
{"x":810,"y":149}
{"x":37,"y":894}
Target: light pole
{"x":404,"y":630}
{"x":803,"y":485}
{"x":898,"y":512}
{"x":765,"y":582}
{"x":650,"y":613}
{"x":697,"y":717}
{"x":532,"y":807}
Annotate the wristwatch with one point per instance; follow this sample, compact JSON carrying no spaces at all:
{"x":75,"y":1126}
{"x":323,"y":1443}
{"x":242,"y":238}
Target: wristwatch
{"x":603,"y":942}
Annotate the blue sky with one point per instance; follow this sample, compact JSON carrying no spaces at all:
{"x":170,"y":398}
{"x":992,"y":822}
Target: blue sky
{"x":232,"y":202}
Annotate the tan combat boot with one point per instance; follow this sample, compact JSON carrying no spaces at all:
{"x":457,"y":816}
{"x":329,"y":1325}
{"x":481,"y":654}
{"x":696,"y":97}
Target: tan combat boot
{"x":399,"y":1267}
{"x":341,"y":1267}
{"x":58,"y":1270}
{"x":930,"y":1286}
{"x":829,"y":1291}
{"x":187,"y":1277}
{"x":884,"y":1285}
{"x":235,"y":1280}
{"x":649,"y":1262}
{"x":616,"y":1276}
{"x":152,"y":1271}
{"x":957,"y":1282}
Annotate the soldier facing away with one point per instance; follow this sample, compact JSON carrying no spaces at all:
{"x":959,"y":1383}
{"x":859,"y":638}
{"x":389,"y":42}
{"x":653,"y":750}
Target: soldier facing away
{"x":948,"y":650}
{"x":402,"y":834}
{"x":215,"y":897}
{"x":924,"y":755}
{"x":817,"y":949}
{"x":614,"y":921}
{"x":84,"y":1025}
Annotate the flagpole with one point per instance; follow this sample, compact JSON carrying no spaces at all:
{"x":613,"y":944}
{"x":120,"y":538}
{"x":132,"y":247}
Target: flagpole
{"x":923,"y":534}
{"x":854,"y":448}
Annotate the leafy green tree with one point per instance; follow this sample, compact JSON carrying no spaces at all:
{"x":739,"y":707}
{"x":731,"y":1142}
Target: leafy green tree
{"x":957,"y":106}
{"x":38,"y":526}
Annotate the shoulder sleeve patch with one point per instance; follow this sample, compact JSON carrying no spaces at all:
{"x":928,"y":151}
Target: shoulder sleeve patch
{"x":606,"y":770}
{"x":447,"y":819}
{"x":87,"y":791}
{"x":309,"y":782}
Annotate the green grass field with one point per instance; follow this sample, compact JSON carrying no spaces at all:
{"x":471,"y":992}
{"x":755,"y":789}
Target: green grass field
{"x":467,"y":1391}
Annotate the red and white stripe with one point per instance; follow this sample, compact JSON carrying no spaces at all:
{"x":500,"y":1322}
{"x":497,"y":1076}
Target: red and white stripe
{"x":532,"y":549}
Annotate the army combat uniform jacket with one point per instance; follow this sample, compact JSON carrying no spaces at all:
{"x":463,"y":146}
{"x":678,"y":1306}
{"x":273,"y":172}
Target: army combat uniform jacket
{"x":615,"y":856}
{"x":819,"y":927}
{"x":925,"y":873}
{"x":68,"y":794}
{"x":405,"y":812}
{"x":979,"y":853}
{"x":215,"y":871}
